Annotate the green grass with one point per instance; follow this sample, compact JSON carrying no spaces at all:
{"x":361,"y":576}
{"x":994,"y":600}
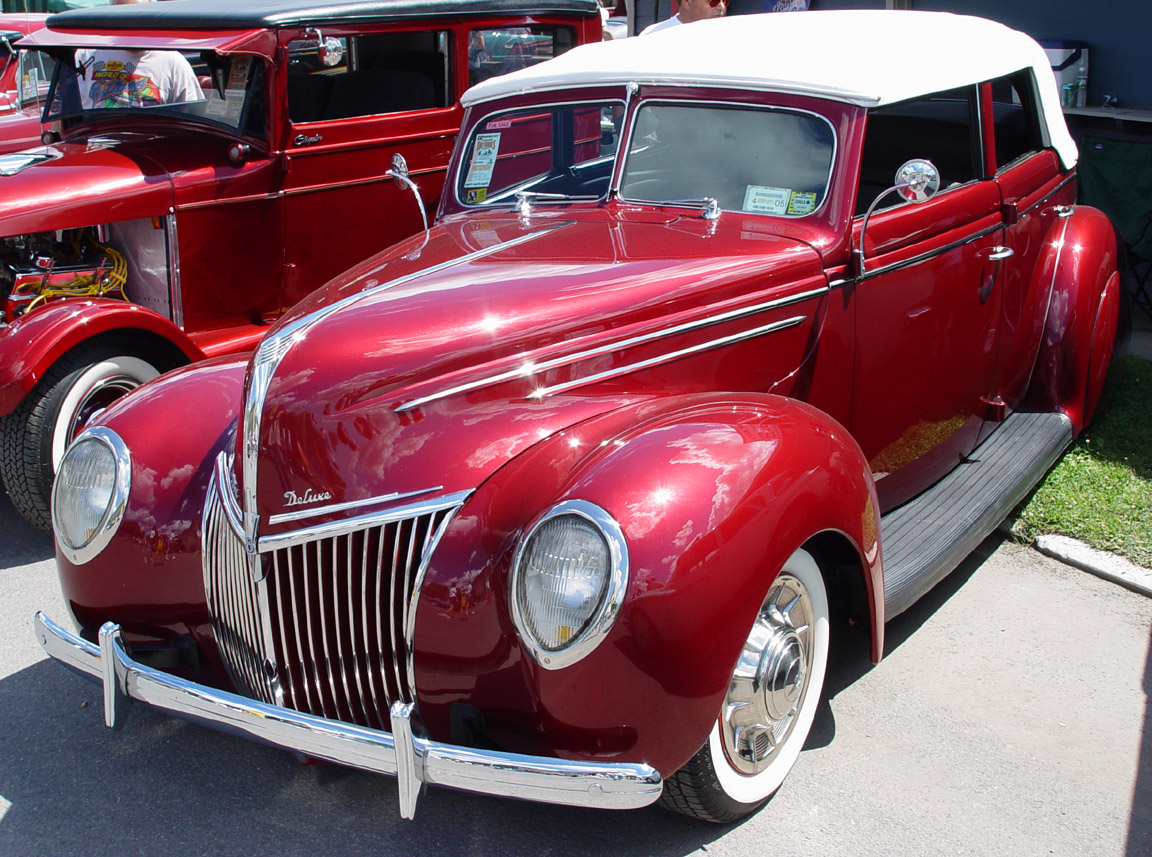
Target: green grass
{"x":1101,"y":491}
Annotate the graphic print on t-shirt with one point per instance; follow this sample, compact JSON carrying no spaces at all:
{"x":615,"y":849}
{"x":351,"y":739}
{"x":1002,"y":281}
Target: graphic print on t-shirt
{"x":114,"y":84}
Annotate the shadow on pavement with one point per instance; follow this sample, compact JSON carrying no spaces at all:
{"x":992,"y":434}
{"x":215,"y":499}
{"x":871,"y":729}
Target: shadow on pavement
{"x":162,"y":786}
{"x":20,"y":542}
{"x":1140,"y":820}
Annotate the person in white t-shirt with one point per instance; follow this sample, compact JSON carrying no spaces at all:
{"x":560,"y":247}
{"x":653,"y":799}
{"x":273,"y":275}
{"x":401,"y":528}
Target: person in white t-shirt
{"x":690,"y":10}
{"x":128,"y":78}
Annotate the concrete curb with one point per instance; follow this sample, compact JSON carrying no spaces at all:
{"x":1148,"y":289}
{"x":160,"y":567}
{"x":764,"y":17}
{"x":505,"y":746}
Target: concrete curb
{"x":1102,"y":564}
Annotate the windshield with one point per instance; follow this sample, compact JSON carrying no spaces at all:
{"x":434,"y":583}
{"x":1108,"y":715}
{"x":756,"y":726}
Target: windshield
{"x":205,"y":86}
{"x":557,"y":151}
{"x":751,"y":159}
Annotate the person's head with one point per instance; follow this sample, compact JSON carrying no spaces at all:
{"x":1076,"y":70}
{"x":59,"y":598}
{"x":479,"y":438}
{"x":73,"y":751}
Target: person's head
{"x":698,"y":10}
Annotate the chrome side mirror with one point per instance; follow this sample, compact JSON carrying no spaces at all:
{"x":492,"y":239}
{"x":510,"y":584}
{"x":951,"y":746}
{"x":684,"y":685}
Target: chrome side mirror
{"x":917,"y":181}
{"x":399,"y":174}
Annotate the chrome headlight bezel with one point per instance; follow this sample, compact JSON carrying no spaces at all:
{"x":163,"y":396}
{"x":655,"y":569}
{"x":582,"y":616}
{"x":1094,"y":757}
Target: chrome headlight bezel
{"x":117,"y":500}
{"x":603,"y":616}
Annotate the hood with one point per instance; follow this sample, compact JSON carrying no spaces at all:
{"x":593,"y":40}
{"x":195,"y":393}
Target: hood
{"x":100,"y":179}
{"x":419,"y":376}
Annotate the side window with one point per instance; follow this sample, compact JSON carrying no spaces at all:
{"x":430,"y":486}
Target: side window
{"x":35,"y":73}
{"x":1016,"y":118}
{"x":940,"y":127}
{"x":368,"y":75}
{"x":501,"y":50}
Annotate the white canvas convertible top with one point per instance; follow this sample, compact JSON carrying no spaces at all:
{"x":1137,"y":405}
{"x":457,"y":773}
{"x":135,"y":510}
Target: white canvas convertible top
{"x":865,"y":57}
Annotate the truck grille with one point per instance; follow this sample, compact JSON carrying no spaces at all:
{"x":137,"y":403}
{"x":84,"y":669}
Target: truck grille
{"x":326,"y":629}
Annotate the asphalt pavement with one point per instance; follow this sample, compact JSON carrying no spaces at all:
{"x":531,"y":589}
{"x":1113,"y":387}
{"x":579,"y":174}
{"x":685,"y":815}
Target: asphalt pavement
{"x":1010,"y":716}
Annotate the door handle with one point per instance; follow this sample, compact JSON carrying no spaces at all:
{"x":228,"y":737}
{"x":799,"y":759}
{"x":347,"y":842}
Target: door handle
{"x":998,"y":253}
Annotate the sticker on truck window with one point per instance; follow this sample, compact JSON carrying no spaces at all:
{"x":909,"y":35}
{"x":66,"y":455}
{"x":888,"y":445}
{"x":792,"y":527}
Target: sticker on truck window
{"x":483,"y":160}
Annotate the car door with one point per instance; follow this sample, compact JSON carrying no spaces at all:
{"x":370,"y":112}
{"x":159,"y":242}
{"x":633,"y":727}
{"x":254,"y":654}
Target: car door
{"x":1035,"y":193}
{"x":356,"y":98}
{"x":927,"y":309}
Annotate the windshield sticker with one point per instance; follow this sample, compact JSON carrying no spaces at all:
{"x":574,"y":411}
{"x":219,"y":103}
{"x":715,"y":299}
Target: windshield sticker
{"x":801,"y":203}
{"x":232,"y":104}
{"x":766,"y":200}
{"x":475,"y":195}
{"x":496,"y":124}
{"x":483,"y":160}
{"x":238,"y":75}
{"x":778,"y":200}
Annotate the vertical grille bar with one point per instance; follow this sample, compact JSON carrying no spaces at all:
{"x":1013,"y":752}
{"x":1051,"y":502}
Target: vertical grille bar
{"x":333,"y":605}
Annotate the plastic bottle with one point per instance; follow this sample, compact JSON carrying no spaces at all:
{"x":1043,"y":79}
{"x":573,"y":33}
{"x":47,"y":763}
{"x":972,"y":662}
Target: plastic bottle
{"x":1082,"y":87}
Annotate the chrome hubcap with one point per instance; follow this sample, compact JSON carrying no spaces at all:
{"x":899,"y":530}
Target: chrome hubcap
{"x":96,"y":400}
{"x":771,"y":678}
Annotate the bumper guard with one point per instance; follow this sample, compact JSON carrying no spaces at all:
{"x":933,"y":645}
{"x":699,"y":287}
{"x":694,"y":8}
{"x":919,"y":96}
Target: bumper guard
{"x":415,"y":761}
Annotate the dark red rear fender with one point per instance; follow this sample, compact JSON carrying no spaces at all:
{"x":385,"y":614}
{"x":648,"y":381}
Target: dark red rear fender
{"x":33,"y":342}
{"x":712,"y":494}
{"x":149,"y":578}
{"x":1080,"y":326}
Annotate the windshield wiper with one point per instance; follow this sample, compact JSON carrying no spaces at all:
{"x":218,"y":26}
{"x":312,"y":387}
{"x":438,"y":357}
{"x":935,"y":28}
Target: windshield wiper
{"x":709,"y":205}
{"x":524,"y":199}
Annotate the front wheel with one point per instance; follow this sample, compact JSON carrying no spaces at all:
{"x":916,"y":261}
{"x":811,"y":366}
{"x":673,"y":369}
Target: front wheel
{"x":771,"y":702}
{"x":67,"y":398}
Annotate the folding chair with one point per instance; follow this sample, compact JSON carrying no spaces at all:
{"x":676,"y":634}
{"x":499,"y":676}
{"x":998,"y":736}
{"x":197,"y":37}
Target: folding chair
{"x":1116,"y":177}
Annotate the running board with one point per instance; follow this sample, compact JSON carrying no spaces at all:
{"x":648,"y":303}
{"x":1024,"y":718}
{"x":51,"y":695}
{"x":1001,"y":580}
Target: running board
{"x":927,"y":537}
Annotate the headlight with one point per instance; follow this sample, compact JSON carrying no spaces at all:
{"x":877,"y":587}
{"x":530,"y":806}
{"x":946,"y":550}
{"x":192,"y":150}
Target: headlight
{"x":568,"y":580}
{"x":90,"y":493}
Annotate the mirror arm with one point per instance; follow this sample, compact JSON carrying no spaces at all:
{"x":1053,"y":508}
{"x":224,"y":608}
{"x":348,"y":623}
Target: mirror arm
{"x":858,"y":252}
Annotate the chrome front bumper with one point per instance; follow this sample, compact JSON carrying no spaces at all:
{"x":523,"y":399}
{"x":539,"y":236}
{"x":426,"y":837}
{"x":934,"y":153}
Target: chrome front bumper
{"x":415,"y":761}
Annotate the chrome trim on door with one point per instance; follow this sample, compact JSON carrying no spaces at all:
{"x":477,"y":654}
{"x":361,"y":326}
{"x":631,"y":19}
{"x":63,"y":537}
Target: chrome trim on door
{"x":931,"y":254}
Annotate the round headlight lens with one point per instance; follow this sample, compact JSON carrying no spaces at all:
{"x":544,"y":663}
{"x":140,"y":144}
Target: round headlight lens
{"x":568,"y":581}
{"x":90,"y":492}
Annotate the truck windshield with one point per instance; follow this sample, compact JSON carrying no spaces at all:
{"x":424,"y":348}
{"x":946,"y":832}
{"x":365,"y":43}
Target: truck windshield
{"x":217,"y":90}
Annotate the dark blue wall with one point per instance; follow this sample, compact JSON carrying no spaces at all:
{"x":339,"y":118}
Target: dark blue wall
{"x":1118,"y":33}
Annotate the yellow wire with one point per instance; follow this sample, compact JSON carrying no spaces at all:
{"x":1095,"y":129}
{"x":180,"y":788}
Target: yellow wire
{"x":89,"y":285}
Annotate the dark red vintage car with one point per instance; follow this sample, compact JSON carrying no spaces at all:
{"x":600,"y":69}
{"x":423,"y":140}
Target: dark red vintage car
{"x":24,"y":78}
{"x":714,"y":354}
{"x":218,"y":161}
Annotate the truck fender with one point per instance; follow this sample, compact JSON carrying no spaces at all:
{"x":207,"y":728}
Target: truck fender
{"x":712,"y":494}
{"x":31,"y":344}
{"x":1081,"y":322}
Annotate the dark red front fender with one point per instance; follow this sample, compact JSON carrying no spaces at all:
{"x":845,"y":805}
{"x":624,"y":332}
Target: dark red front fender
{"x":32,"y":343}
{"x":712,"y":494}
{"x":1080,"y":327}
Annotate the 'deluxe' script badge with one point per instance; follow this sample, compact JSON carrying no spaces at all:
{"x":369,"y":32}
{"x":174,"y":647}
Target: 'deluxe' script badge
{"x":291,"y":498}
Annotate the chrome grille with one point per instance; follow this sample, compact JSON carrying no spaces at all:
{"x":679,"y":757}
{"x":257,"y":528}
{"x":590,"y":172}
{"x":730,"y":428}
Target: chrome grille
{"x":326,"y":628}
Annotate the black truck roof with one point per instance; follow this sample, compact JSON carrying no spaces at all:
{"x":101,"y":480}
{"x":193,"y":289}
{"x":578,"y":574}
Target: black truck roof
{"x":256,"y":14}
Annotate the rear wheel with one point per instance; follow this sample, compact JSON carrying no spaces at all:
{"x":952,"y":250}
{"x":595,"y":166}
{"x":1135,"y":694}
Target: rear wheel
{"x":67,"y":398}
{"x":771,"y":702}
